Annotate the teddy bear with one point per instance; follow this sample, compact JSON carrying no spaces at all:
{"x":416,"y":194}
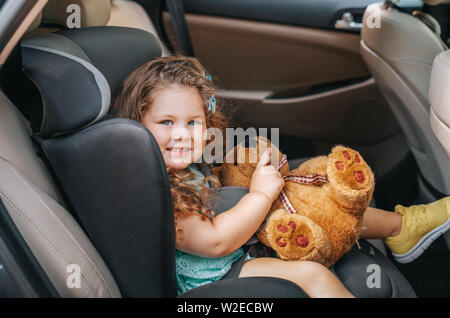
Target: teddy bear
{"x":318,"y":215}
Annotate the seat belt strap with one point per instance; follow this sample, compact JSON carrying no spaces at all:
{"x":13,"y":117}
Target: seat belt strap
{"x":176,"y":11}
{"x":154,"y":9}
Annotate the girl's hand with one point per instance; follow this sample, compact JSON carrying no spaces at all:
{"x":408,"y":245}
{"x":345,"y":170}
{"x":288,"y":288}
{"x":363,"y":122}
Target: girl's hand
{"x":266,"y":179}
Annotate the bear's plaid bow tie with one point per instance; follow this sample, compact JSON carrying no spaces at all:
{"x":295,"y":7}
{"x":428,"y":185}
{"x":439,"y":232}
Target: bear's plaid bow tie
{"x":315,"y":179}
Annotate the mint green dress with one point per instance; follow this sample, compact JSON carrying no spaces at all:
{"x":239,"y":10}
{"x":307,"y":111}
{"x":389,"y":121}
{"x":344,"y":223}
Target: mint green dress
{"x":194,"y":271}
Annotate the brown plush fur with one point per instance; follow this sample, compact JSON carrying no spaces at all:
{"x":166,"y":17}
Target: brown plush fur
{"x":328,"y":218}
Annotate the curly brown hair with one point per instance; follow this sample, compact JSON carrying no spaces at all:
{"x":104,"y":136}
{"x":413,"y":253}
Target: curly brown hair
{"x":136,"y":96}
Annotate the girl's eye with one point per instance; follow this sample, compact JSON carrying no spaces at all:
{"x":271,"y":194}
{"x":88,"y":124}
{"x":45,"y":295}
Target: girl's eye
{"x":195,"y":122}
{"x":166,"y":122}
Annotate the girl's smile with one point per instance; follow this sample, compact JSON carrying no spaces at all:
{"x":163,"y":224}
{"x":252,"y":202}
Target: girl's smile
{"x":177,"y":120}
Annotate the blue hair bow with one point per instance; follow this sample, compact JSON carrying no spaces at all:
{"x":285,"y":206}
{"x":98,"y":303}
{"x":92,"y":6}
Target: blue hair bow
{"x":212,"y":100}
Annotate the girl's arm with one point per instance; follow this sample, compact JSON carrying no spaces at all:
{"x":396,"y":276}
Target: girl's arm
{"x":232,"y":228}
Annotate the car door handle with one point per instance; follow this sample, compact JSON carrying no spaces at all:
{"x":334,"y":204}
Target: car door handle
{"x":347,"y":22}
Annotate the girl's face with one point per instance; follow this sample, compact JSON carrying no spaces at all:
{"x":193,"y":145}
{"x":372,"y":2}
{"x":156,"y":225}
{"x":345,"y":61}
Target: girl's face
{"x":177,"y":120}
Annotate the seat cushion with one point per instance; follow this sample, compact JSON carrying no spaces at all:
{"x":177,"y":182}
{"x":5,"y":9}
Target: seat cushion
{"x":37,"y":211}
{"x":247,"y":287}
{"x":16,"y":147}
{"x":367,"y":273}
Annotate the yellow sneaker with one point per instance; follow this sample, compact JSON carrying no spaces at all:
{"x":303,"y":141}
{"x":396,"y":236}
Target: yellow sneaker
{"x":421,"y":225}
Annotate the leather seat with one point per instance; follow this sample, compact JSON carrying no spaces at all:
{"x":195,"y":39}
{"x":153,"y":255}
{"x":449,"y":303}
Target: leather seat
{"x":440,"y":100}
{"x":38,"y":211}
{"x":124,"y":13}
{"x":399,"y":49}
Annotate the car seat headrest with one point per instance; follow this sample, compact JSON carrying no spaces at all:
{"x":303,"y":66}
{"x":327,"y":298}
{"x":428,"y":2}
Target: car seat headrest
{"x":78,"y":71}
{"x":91,"y":12}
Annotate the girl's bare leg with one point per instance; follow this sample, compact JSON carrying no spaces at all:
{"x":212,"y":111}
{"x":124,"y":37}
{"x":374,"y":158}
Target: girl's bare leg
{"x":379,"y":224}
{"x":315,"y":279}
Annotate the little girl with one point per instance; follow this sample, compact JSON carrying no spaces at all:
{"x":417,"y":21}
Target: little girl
{"x":174,"y":99}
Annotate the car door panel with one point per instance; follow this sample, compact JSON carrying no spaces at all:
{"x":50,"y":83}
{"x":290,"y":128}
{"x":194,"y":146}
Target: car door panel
{"x":250,"y":55}
{"x":351,"y":114}
{"x":282,"y":76}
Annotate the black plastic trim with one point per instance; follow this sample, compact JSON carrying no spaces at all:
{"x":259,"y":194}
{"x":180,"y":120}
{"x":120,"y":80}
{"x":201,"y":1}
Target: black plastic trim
{"x":309,"y":13}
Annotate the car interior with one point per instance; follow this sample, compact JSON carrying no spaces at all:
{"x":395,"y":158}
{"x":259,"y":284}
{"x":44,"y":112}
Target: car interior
{"x":323,"y":73}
